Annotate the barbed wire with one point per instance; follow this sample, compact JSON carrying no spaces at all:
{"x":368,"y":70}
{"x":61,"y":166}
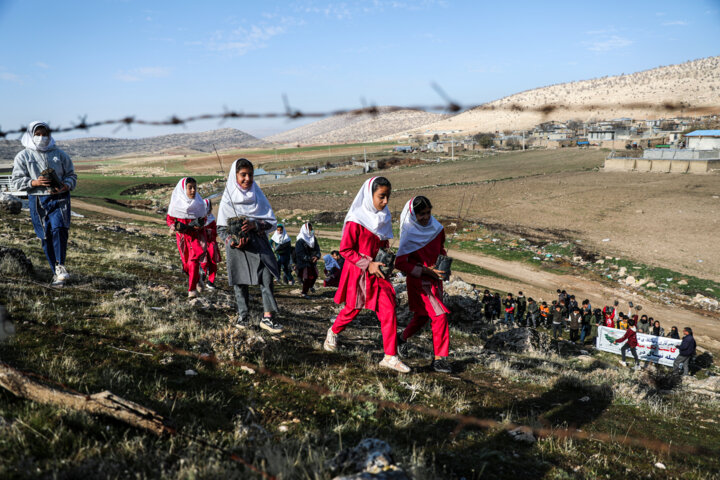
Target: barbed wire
{"x":449,"y":107}
{"x":463,"y":421}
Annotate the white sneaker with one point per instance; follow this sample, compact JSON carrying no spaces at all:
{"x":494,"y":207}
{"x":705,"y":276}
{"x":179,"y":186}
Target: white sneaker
{"x":61,"y":273}
{"x":192,"y":294}
{"x":209,"y":287}
{"x":623,"y":363}
{"x":56,"y":282}
{"x":394,"y":363}
{"x":330,"y":344}
{"x":637,"y":367}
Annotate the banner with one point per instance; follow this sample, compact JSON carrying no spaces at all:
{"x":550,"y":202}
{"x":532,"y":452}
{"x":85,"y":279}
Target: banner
{"x":662,"y":350}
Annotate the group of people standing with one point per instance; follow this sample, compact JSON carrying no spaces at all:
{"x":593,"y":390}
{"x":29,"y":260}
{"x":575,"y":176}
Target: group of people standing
{"x":254,"y":257}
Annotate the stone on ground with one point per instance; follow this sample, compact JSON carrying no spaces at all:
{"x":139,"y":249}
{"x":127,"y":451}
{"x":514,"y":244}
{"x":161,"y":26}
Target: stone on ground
{"x":370,"y":459}
{"x":13,"y":262}
{"x":524,"y":339}
{"x":10,"y":204}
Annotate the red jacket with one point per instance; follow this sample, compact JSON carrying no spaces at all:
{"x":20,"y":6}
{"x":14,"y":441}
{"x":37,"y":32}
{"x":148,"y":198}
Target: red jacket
{"x":630,"y":336}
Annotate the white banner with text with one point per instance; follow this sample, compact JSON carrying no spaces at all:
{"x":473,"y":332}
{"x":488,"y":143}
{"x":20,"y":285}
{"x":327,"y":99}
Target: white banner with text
{"x":662,"y":350}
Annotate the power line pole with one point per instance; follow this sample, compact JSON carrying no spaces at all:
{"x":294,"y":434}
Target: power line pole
{"x":452,"y":148}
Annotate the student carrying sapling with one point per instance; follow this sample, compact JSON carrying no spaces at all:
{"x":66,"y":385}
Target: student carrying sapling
{"x":422,"y":240}
{"x":244,"y":219}
{"x":367,"y":228}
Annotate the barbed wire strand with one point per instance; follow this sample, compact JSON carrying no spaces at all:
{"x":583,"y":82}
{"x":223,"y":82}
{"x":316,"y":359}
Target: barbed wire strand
{"x":449,"y":107}
{"x":462,"y":420}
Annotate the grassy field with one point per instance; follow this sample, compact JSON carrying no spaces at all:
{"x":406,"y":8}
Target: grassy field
{"x":111,"y":186}
{"x":128,"y":286}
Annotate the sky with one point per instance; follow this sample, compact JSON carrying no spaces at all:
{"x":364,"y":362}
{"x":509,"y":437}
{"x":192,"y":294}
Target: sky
{"x":109,"y":59}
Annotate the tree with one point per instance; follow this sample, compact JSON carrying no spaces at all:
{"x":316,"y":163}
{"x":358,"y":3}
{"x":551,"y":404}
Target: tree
{"x":435,"y":138}
{"x":512,"y":143}
{"x":485,"y":140}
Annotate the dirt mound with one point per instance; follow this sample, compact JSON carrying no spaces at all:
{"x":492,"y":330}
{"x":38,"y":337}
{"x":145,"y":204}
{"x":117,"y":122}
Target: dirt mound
{"x":10,"y":204}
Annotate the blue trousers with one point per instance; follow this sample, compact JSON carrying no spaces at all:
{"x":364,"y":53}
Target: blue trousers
{"x":284,"y":263}
{"x":50,"y":215}
{"x":509,"y":318}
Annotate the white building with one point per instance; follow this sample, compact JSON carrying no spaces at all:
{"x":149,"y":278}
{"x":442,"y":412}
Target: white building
{"x":703,"y":140}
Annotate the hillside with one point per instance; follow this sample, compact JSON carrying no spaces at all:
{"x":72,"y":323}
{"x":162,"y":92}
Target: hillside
{"x":641,"y":95}
{"x":350,"y":127}
{"x":94,"y":147}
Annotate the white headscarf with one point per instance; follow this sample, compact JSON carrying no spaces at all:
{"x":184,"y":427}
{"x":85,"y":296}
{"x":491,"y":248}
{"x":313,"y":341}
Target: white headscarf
{"x":27,"y":138}
{"x":210,"y":216}
{"x":363,"y":211}
{"x":414,"y":236}
{"x":250,"y":203}
{"x":280,"y":238}
{"x":330,"y":262}
{"x":306,"y":235}
{"x":182,"y":206}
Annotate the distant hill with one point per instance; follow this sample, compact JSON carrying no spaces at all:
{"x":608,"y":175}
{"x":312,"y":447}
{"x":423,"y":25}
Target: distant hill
{"x":695,"y":84}
{"x":95,"y":147}
{"x":350,"y":127}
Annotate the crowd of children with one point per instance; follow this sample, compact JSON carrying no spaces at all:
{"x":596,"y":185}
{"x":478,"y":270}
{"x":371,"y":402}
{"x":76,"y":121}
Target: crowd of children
{"x":246,"y":219}
{"x":254,"y":257}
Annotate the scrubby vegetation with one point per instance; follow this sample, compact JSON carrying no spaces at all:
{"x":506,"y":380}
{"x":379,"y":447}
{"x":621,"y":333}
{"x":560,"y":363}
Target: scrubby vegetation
{"x":128,"y":286}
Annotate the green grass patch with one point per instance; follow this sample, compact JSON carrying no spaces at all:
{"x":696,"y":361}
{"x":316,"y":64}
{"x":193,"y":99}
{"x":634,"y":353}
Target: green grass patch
{"x":111,"y":186}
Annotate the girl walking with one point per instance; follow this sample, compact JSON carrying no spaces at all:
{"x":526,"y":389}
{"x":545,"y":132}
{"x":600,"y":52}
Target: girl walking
{"x":282,"y":246}
{"x":422,"y":239}
{"x":307,"y":253}
{"x":187,"y":206}
{"x":250,"y":260}
{"x":212,"y":257}
{"x":367,"y":228}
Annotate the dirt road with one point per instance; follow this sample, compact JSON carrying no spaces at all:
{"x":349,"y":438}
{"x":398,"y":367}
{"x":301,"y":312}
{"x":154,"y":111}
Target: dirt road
{"x":115,"y":213}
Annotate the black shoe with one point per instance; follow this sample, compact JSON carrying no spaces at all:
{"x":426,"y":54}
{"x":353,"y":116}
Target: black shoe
{"x":441,"y":366}
{"x":402,"y":347}
{"x":268,"y":324}
{"x":242,"y":322}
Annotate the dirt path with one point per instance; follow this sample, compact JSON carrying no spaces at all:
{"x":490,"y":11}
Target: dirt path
{"x":114,"y":213}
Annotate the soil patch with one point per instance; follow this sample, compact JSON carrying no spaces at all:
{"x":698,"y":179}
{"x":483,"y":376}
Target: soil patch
{"x":143,"y":187}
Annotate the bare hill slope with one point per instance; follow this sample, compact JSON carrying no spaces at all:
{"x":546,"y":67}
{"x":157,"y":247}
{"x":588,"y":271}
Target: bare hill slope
{"x":648,"y":94}
{"x":350,"y":127}
{"x":94,"y":147}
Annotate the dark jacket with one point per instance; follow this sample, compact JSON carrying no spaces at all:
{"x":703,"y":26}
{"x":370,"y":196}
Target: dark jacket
{"x":304,"y":254}
{"x":533,"y":308}
{"x":282,"y":248}
{"x":509,"y":305}
{"x":587,"y":317}
{"x":557,"y":316}
{"x":630,"y":336}
{"x":521,"y":304}
{"x":687,"y":346}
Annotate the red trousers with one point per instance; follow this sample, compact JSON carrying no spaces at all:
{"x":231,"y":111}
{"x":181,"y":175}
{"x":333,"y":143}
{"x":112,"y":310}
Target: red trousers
{"x":210,"y":268}
{"x":440,"y":332}
{"x":191,"y":251}
{"x":385,"y":313}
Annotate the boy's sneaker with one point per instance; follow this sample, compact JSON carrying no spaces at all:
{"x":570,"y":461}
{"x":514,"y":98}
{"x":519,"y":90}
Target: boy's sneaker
{"x":268,"y":324}
{"x":394,"y":363}
{"x":241,"y":322}
{"x":56,"y":282}
{"x":441,"y":365}
{"x":402,"y":347}
{"x":638,"y":367}
{"x":192,"y":294}
{"x":61,"y":273}
{"x":623,"y":363}
{"x":330,"y":344}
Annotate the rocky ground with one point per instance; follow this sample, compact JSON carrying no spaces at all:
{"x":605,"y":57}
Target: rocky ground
{"x":127,"y":287}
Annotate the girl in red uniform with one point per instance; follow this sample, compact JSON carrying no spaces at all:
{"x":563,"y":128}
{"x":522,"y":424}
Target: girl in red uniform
{"x":422,"y":239}
{"x":367,"y":228}
{"x":212,"y":257}
{"x":187,"y":205}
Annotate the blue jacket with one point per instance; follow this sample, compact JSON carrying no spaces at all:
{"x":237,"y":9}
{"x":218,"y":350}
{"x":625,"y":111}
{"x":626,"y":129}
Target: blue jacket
{"x":687,"y":346}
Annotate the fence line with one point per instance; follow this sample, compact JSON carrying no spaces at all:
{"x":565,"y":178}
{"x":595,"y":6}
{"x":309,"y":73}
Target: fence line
{"x":449,"y":106}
